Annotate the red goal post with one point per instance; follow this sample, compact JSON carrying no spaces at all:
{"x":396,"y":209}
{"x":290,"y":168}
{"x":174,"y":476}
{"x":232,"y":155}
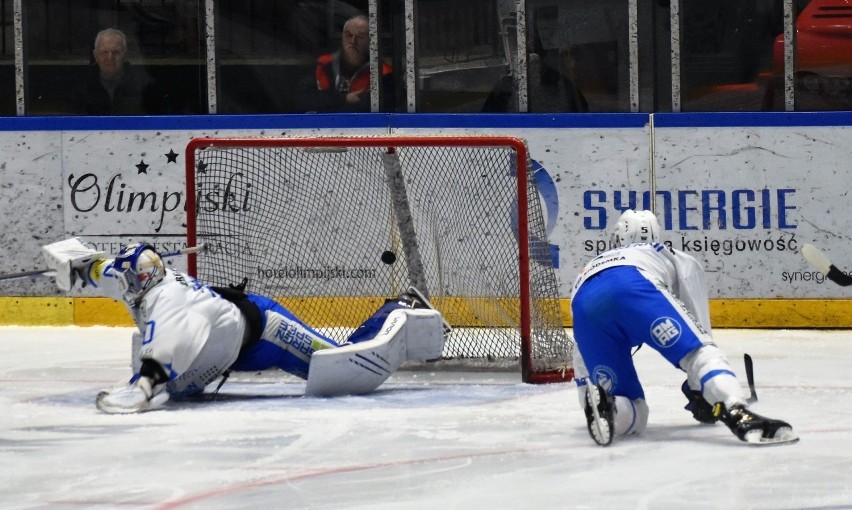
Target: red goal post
{"x":332,"y":226}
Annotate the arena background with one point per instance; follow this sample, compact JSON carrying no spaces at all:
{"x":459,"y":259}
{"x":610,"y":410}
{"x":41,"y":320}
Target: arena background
{"x":740,"y":191}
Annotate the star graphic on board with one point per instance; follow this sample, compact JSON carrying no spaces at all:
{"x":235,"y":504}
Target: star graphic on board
{"x":202,"y":166}
{"x":142,"y":167}
{"x":172,"y":156}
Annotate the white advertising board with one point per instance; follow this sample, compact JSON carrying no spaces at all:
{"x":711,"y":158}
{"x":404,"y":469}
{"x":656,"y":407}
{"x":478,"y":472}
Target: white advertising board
{"x":741,"y":199}
{"x":745,"y":200}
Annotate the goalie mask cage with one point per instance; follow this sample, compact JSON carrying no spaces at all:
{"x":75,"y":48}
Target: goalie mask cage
{"x":331,"y":227}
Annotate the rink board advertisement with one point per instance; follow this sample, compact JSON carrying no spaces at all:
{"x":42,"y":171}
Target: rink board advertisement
{"x":740,"y":198}
{"x":745,"y":200}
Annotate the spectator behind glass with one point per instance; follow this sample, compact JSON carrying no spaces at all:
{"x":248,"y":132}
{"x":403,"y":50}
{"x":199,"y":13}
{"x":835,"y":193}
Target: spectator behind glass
{"x":341,"y":80}
{"x":113,"y":86}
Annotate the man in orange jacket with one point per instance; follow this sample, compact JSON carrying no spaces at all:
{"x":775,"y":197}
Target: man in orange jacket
{"x":342,"y":78}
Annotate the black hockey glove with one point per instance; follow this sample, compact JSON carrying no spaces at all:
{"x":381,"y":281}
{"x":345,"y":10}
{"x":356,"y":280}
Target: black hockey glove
{"x":700,"y":409}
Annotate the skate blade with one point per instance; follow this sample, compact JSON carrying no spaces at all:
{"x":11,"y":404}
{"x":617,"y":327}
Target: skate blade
{"x":782,"y":436}
{"x":601,"y":432}
{"x":599,"y":428}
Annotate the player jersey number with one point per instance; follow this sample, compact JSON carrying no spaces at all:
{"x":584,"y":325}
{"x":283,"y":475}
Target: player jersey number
{"x":149,"y":332}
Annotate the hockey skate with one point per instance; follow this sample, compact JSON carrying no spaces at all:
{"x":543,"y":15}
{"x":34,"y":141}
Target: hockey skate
{"x":600,"y":413}
{"x":415,"y":299}
{"x":753,"y":428}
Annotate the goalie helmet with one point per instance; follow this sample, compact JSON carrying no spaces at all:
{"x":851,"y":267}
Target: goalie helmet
{"x":138,"y":268}
{"x":636,"y":227}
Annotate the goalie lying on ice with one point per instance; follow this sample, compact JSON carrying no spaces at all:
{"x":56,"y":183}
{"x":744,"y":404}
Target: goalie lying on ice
{"x":190,"y":334}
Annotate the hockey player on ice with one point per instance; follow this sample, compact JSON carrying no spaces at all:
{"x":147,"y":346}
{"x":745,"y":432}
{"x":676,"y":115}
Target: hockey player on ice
{"x":190,"y":334}
{"x":641,"y":292}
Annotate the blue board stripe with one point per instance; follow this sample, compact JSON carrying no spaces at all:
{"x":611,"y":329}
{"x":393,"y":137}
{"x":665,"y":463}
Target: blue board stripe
{"x":280,"y":125}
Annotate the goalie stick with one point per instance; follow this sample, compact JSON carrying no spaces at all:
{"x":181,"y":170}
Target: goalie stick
{"x":38,"y":273}
{"x":822,"y":263}
{"x":42,"y":273}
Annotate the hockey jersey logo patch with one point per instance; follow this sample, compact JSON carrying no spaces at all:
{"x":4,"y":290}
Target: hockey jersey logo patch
{"x":605,"y":377}
{"x":665,"y":332}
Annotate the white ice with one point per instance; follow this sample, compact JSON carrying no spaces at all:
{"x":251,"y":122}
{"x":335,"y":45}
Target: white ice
{"x":425,"y":440}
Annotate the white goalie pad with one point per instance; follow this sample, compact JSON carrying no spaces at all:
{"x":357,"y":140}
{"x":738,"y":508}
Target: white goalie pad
{"x":66,"y":256}
{"x":407,"y":335}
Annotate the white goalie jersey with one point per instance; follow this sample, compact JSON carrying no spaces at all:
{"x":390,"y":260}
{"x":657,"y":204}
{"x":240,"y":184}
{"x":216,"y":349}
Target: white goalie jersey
{"x":194,"y":333}
{"x":189,"y":329}
{"x":672,"y":269}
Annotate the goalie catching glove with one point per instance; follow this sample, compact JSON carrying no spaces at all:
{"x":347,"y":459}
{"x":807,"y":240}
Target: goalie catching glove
{"x":133,"y":398}
{"x":69,"y":258}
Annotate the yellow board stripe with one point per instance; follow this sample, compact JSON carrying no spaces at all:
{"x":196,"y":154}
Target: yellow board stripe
{"x":96,"y":311}
{"x":37,"y":311}
{"x":725,"y":313}
{"x":781,"y":313}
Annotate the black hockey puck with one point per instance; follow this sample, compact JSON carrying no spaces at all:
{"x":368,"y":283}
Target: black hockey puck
{"x":388,"y":257}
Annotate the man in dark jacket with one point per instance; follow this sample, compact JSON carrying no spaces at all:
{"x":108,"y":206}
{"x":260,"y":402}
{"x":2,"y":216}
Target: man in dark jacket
{"x":113,"y":86}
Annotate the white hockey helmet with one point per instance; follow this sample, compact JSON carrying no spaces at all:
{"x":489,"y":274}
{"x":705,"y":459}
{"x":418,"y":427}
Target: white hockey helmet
{"x":138,"y":268}
{"x":635,"y":227}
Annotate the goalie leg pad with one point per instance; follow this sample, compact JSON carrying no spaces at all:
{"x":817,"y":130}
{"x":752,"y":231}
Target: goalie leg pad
{"x":425,"y":335}
{"x":420,"y":301}
{"x":362,"y":367}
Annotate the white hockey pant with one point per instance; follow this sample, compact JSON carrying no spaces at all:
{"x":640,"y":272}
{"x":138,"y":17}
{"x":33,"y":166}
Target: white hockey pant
{"x":708,"y":371}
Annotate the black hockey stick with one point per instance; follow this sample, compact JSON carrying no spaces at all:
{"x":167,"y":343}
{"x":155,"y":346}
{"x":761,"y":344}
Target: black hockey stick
{"x":821,"y":263}
{"x":40,"y":273}
{"x":749,"y":368}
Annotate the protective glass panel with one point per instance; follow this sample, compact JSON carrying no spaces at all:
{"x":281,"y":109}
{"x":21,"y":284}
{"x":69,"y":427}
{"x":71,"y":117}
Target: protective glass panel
{"x":727,"y":55}
{"x":283,"y":57}
{"x":823,"y":77}
{"x":578,"y":56}
{"x":151,"y":61}
{"x":464,"y":53}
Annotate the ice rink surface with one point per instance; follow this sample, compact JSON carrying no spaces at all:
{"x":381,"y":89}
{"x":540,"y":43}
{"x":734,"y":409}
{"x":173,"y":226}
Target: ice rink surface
{"x":425,"y":440}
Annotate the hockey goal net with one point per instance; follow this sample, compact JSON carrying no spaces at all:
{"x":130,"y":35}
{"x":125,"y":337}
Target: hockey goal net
{"x":331,"y":227}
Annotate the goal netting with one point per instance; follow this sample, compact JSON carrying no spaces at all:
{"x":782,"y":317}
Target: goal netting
{"x":331,"y":227}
